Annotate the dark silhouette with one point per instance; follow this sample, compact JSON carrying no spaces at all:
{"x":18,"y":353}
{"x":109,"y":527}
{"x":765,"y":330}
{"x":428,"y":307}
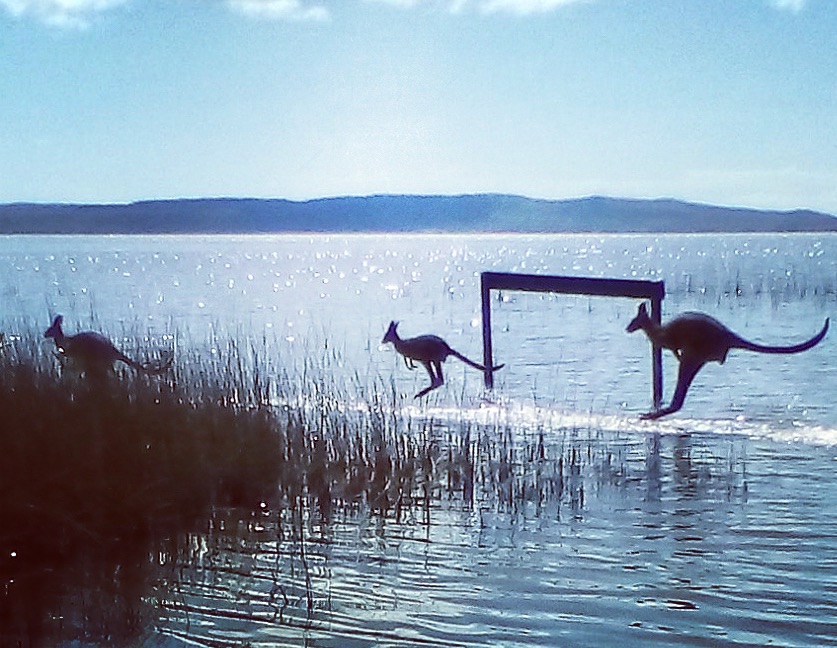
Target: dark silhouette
{"x":93,"y":352}
{"x":431,"y":351}
{"x":697,"y":338}
{"x":402,"y":213}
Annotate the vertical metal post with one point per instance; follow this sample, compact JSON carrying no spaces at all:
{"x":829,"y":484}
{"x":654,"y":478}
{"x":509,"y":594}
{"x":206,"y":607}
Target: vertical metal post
{"x":487,"y":351}
{"x":657,"y":352}
{"x":653,"y":290}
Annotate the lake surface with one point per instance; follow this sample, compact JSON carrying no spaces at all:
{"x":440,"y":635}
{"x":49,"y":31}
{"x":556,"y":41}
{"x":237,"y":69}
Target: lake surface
{"x":717,"y":525}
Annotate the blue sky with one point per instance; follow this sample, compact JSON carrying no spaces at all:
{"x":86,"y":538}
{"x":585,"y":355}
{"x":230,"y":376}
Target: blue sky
{"x":731,"y":102}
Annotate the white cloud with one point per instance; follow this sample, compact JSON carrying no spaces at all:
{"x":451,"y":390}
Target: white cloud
{"x":794,"y":6}
{"x":60,"y":13}
{"x":527,"y":7}
{"x":279,"y":9}
{"x":403,"y":4}
{"x":521,"y":7}
{"x":79,"y":13}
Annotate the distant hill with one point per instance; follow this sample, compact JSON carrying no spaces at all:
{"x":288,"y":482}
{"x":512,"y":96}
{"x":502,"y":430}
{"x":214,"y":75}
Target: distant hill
{"x":394,"y":213}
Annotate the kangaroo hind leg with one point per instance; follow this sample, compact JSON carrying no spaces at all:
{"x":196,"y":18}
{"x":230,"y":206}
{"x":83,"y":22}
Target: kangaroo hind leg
{"x":685,"y":375}
{"x":436,"y":378}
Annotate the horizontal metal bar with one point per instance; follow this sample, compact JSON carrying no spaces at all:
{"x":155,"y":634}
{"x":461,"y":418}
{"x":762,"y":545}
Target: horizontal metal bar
{"x":574,"y":285}
{"x":636,"y":288}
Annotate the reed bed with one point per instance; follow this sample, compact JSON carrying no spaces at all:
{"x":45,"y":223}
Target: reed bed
{"x":115,"y":493}
{"x":98,"y":479}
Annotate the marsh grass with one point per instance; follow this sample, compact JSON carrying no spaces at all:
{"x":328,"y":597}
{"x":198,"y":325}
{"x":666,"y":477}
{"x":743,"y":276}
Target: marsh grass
{"x":100,"y":478}
{"x":116,"y":494}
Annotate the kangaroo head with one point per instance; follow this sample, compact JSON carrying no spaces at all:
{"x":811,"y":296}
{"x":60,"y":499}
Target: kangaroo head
{"x":641,"y":320}
{"x":55,"y":331}
{"x":391,"y":334}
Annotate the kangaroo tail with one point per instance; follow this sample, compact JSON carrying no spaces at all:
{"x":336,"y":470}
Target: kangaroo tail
{"x":796,"y":348}
{"x":157,"y":368}
{"x":133,"y":364}
{"x":475,"y":365}
{"x":148,"y":367}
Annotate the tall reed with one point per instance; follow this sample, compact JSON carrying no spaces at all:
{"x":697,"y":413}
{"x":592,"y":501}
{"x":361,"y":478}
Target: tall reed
{"x":107,"y":487}
{"x":97,"y":478}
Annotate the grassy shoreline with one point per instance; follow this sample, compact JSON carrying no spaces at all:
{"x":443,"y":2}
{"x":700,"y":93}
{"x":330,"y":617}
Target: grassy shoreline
{"x":102,"y":483}
{"x":97,"y":478}
{"x":105,"y":486}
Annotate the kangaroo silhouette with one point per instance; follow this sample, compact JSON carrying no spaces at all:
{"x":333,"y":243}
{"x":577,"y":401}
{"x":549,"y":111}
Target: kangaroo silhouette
{"x":431,"y":351}
{"x":697,"y":338}
{"x":93,"y":351}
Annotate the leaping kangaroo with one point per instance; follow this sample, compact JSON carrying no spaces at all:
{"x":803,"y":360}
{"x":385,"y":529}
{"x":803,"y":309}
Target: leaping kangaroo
{"x":697,"y":338}
{"x":94,"y":352}
{"x":431,"y":351}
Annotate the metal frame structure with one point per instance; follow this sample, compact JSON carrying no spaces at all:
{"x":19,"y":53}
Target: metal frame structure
{"x":639,"y":289}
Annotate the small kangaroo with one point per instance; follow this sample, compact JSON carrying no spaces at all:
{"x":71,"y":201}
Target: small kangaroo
{"x":94,"y":352}
{"x":431,"y":351}
{"x":697,"y":338}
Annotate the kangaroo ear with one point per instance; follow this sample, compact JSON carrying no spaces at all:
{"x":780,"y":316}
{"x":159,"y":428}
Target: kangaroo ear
{"x":58,"y":321}
{"x":643,"y":308}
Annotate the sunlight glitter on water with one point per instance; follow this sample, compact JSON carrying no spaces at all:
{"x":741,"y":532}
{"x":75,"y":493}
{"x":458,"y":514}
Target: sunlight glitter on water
{"x":576,"y":523}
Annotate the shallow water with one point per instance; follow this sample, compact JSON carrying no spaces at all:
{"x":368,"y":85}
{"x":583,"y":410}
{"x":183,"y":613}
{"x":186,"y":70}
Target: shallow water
{"x":675,"y":539}
{"x":310,"y":296}
{"x":714,"y":526}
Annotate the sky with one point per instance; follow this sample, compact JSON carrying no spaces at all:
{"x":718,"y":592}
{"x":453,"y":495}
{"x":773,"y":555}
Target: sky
{"x":730,"y":102}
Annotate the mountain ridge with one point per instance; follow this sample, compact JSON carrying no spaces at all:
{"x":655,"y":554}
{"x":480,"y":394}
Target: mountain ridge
{"x":487,"y":212}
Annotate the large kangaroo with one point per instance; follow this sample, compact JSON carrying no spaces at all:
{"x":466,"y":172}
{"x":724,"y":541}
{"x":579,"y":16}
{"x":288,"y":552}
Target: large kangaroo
{"x":695,"y":339}
{"x":431,"y":351}
{"x":94,"y":352}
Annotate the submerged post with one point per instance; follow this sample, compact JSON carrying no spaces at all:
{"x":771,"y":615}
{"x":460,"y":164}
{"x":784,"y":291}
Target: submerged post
{"x":487,"y":351}
{"x":653,"y":290}
{"x":656,"y":351}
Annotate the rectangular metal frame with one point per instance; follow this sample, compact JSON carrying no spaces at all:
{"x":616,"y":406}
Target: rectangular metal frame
{"x":639,"y":289}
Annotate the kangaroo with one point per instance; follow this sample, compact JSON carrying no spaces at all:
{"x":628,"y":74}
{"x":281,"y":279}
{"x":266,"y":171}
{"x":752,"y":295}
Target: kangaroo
{"x":697,"y":338}
{"x":431,"y":351}
{"x":94,"y":352}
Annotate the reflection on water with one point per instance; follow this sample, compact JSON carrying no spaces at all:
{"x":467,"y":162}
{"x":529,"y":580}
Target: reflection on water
{"x":546,"y":514}
{"x":41,"y":591}
{"x":450,"y":531}
{"x":566,"y":351}
{"x":528,"y":542}
{"x":567,"y":540}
